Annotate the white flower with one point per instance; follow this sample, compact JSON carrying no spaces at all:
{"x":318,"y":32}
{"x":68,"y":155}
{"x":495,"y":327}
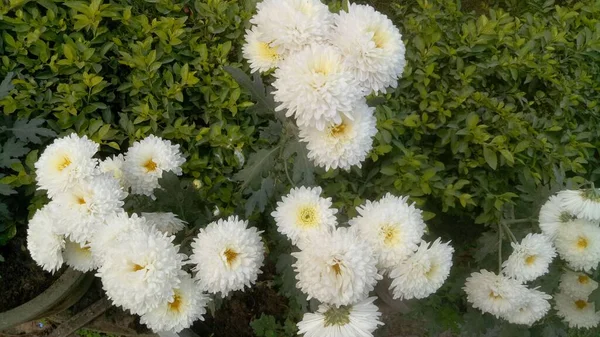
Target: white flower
{"x":359,"y":320}
{"x":114,"y":166}
{"x":530,"y":258}
{"x":66,"y":161}
{"x":187,"y":305}
{"x":290,"y":25}
{"x":342,"y":144}
{"x":44,"y":242}
{"x":391,"y":226}
{"x":577,"y":312}
{"x":553,"y":215}
{"x":167,"y":223}
{"x":146,"y":160}
{"x":141,"y":271}
{"x":303,"y":212}
{"x":260,"y":52}
{"x":495,"y":294}
{"x":578,"y":243}
{"x":372,"y":46}
{"x":534,"y":307}
{"x":424,"y":272}
{"x":577,"y":284}
{"x":314,"y":86}
{"x":79,"y":257}
{"x":337,"y":269}
{"x":112,"y":232}
{"x":583,"y":203}
{"x":228,"y":256}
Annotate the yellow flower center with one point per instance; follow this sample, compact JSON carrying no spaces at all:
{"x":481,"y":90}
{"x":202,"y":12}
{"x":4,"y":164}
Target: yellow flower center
{"x":150,"y":165}
{"x":529,"y":260}
{"x":583,"y":279}
{"x":432,"y":269}
{"x":267,"y":52}
{"x":137,"y":267}
{"x":380,"y":37}
{"x":81,"y":200}
{"x":230,"y":256}
{"x":307,"y":217}
{"x":175,"y":305}
{"x":495,"y":296}
{"x":581,"y":304}
{"x":63,"y":163}
{"x":390,"y":234}
{"x":582,"y":243}
{"x":337,"y":130}
{"x":323,"y":67}
{"x":336,"y":268}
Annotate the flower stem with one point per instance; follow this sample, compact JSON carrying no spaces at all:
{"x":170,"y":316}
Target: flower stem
{"x":515,"y":221}
{"x":499,"y":249}
{"x":510,"y":233}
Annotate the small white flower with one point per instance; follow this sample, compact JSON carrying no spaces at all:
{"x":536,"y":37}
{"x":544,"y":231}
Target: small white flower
{"x":372,"y":46}
{"x":303,"y":212}
{"x":314,"y":86}
{"x":167,"y":223}
{"x":337,"y":269}
{"x":342,"y":144}
{"x":44,"y":242}
{"x":553,"y":216}
{"x":534,"y":308}
{"x":187,"y":305}
{"x":146,"y":160}
{"x":578,"y":243}
{"x":114,"y":166}
{"x":424,"y":272}
{"x":530,"y":258}
{"x":112,"y":232}
{"x":360,"y":319}
{"x":577,"y":312}
{"x":228,"y":256}
{"x":495,"y":294}
{"x":79,"y":257}
{"x":260,"y":52}
{"x":577,"y":284}
{"x":66,"y":161}
{"x":391,"y":226}
{"x":583,"y":203}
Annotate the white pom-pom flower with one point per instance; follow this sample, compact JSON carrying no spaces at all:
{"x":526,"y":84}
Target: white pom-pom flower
{"x":360,"y":319}
{"x":44,"y":241}
{"x":289,"y":25}
{"x":260,"y":52}
{"x":188,"y":305}
{"x":342,"y":144}
{"x":114,"y":166}
{"x":553,"y":216}
{"x":228,"y":256}
{"x":303,"y":212}
{"x":577,"y":284}
{"x":112,"y":232}
{"x":576,"y":311}
{"x":392,"y":227}
{"x":165,"y":222}
{"x":534,"y":307}
{"x":424,"y":272}
{"x":146,"y":160}
{"x":66,"y":161}
{"x":372,"y":46}
{"x":337,"y":269}
{"x":314,"y":86}
{"x":495,"y":294}
{"x":79,"y":256}
{"x":530,"y":258}
{"x":141,"y":272}
{"x":578,"y":243}
{"x":583,"y":203}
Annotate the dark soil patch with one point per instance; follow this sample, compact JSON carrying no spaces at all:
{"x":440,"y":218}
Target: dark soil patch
{"x":20,"y":278}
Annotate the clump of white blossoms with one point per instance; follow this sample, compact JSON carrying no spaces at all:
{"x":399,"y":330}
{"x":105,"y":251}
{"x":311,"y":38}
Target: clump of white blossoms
{"x":577,"y":284}
{"x":530,"y":258}
{"x":579,"y":244}
{"x":553,"y":216}
{"x":584,"y":204}
{"x":165,"y":222}
{"x":576,"y":311}
{"x":533,"y":308}
{"x":496,"y":294}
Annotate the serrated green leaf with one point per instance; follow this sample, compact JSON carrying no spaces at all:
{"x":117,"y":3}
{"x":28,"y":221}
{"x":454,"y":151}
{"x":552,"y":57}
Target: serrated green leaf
{"x":265,"y":102}
{"x":258,"y":163}
{"x":6,"y":86}
{"x":10,"y":151}
{"x":259,"y":199}
{"x":30,"y":131}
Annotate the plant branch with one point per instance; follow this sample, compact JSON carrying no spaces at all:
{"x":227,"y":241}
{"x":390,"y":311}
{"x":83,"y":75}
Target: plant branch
{"x":510,"y":233}
{"x":499,"y":249}
{"x":516,"y":221}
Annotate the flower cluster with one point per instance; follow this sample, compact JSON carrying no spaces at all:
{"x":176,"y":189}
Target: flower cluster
{"x":339,"y":266}
{"x":325,"y":65}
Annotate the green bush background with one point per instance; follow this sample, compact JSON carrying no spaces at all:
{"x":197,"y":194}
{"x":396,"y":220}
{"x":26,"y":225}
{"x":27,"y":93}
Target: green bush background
{"x":498,"y":105}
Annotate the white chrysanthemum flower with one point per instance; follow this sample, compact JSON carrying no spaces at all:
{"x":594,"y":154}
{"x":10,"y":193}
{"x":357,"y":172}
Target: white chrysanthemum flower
{"x":372,"y":46}
{"x":146,"y":160}
{"x":392,"y":227}
{"x":290,"y":25}
{"x":360,"y":319}
{"x":530,"y":258}
{"x":303,"y":212}
{"x":112,"y":232}
{"x":314,"y":86}
{"x":553,"y":216}
{"x":66,"y":161}
{"x":167,"y":223}
{"x":577,"y":312}
{"x":228,"y":256}
{"x":44,"y":241}
{"x":534,"y":308}
{"x":578,"y":243}
{"x":342,"y":144}
{"x":583,"y":203}
{"x":188,"y":305}
{"x":141,"y":272}
{"x":495,"y":294}
{"x":337,"y":268}
{"x":79,"y":256}
{"x":424,"y":272}
{"x":114,"y":166}
{"x":577,"y":284}
{"x":260,"y":52}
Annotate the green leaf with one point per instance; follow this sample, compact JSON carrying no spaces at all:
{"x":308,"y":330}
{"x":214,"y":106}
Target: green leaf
{"x":258,"y":163}
{"x":490,"y":157}
{"x":303,"y":170}
{"x":265,"y":102}
{"x":6,"y":86}
{"x":30,"y":131}
{"x":259,"y":199}
{"x":11,"y":151}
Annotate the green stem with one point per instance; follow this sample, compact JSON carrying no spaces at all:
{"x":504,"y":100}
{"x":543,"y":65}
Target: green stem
{"x":285,"y":166}
{"x":516,"y":221}
{"x":499,"y":249}
{"x":510,"y":233}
